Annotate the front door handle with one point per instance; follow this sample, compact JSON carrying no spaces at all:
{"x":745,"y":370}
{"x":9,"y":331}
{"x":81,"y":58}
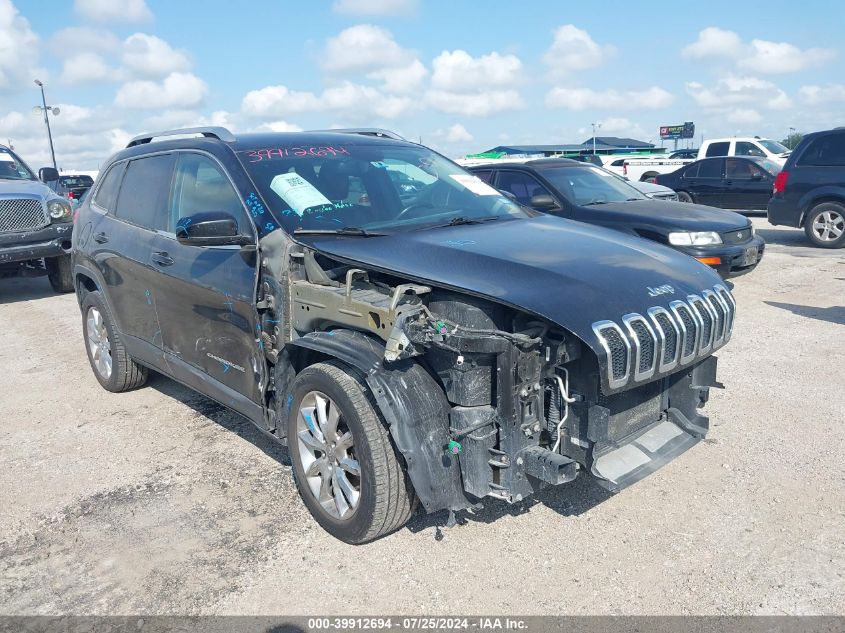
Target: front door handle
{"x":101,"y":238}
{"x":162,"y":258}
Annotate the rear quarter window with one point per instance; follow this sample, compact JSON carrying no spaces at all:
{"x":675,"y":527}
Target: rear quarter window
{"x":107,"y":191}
{"x":825,"y":151}
{"x":718,"y":149}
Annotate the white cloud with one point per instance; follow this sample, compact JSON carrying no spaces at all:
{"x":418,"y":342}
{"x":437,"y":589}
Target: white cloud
{"x":760,"y":56}
{"x":736,"y":90}
{"x":744,"y":115}
{"x":149,"y":56}
{"x":353,"y":100}
{"x":617,"y":126}
{"x":78,"y":39}
{"x":278,"y":126}
{"x":573,"y":49}
{"x":123,"y":11}
{"x":457,"y":133}
{"x":458,"y":71}
{"x":375,"y":7}
{"x":475,"y":104}
{"x":782,"y":57}
{"x":814,"y":95}
{"x":714,"y":42}
{"x":19,"y":49}
{"x":177,"y":90}
{"x":278,"y":101}
{"x":364,"y":47}
{"x":372,"y":51}
{"x":401,"y":80}
{"x":84,"y":67}
{"x":652,"y":98}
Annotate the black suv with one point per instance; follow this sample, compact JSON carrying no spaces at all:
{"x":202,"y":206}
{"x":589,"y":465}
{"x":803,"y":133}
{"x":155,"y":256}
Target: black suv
{"x":583,"y":192}
{"x":35,"y":224}
{"x":438,"y":342}
{"x":810,"y":191}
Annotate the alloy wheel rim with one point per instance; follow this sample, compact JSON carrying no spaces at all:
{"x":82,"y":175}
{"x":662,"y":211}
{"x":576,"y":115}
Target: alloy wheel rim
{"x":829,"y":226}
{"x":98,"y":342}
{"x":327,"y":453}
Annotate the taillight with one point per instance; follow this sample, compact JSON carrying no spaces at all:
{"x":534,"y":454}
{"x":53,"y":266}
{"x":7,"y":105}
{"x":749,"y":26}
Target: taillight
{"x":780,"y":182}
{"x":69,"y":195}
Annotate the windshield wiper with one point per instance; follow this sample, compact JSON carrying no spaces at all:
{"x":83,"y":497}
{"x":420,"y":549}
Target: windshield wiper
{"x":346,"y":230}
{"x":587,"y":204}
{"x":460,"y":220}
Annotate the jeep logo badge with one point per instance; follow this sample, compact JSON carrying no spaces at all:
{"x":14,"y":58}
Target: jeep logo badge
{"x":665,"y":289}
{"x":739,"y":235}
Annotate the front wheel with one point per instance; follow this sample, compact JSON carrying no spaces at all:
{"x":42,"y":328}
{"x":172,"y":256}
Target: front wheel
{"x":825,"y":225}
{"x":344,"y":464}
{"x":59,"y":273}
{"x":683,"y":196}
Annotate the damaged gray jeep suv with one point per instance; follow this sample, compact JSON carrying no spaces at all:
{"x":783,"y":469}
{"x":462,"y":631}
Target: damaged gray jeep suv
{"x":407,"y":331}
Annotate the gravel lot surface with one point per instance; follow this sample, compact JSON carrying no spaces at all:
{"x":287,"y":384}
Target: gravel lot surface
{"x":160,"y":501}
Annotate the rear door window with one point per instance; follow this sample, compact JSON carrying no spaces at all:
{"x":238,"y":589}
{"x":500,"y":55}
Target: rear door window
{"x":718,"y":149}
{"x":107,"y":191}
{"x":145,"y":190}
{"x":486,"y":175}
{"x":710,"y":168}
{"x":825,"y":151}
{"x":523,"y":186}
{"x":692,"y":171}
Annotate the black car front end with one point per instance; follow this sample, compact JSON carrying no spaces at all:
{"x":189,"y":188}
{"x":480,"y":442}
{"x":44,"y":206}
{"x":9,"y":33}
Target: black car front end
{"x":738,"y":253}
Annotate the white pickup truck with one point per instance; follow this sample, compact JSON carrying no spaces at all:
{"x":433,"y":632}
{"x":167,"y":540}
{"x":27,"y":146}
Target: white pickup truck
{"x":745,"y":146}
{"x":646,"y":169}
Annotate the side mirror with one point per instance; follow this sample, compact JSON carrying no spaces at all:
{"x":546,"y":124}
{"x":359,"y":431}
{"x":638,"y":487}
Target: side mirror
{"x":543,"y":202}
{"x":211,"y":228}
{"x":48,"y":174}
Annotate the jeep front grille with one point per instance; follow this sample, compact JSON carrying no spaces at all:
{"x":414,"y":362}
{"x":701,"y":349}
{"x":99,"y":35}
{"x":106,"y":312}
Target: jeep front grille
{"x":663,"y":339}
{"x":22,"y":214}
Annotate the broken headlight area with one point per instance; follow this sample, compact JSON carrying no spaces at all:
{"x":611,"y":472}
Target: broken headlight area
{"x":513,"y":403}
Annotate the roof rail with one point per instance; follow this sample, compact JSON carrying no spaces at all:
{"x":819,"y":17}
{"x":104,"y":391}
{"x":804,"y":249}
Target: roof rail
{"x":220,"y":133}
{"x":367,"y":131}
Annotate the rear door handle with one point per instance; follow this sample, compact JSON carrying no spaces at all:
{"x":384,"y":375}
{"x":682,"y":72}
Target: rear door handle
{"x":162,"y":258}
{"x":101,"y":238}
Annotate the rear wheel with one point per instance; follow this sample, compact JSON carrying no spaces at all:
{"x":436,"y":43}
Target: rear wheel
{"x":345,"y":466}
{"x":59,"y":273}
{"x":825,"y":225}
{"x":683,"y":196}
{"x":112,"y":366}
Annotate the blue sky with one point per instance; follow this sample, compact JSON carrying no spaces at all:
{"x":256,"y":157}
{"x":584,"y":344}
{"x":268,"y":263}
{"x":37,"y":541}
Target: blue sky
{"x":463,"y":76}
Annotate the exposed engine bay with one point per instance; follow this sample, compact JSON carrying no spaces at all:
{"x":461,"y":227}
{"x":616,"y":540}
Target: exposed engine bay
{"x":481,"y":399}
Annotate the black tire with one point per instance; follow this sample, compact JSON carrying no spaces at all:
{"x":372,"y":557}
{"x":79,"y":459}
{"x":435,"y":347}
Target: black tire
{"x":831,"y":214}
{"x":386,"y":498}
{"x":60,"y":273}
{"x":125,"y":373}
{"x":683,"y":196}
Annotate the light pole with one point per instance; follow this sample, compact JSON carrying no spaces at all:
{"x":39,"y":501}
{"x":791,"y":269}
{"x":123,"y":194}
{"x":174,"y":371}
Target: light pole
{"x":595,"y":127}
{"x":43,"y":107}
{"x":790,"y":141}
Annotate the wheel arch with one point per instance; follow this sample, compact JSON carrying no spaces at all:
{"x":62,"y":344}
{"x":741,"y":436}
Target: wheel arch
{"x":820,"y":196}
{"x":410,"y":401}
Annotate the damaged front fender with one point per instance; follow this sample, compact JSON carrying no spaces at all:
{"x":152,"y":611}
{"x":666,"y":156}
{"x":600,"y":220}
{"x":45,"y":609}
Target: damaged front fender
{"x":413,"y":405}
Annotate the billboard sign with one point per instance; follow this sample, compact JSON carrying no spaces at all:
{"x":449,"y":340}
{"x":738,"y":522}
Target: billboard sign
{"x":687,"y":130}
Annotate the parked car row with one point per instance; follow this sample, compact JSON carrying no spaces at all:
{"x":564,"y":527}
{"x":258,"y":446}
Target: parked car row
{"x":721,"y":239}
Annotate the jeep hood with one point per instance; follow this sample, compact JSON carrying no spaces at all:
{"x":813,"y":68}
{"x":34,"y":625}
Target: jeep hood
{"x":26,"y":188}
{"x":570,"y":273}
{"x":664,"y":215}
